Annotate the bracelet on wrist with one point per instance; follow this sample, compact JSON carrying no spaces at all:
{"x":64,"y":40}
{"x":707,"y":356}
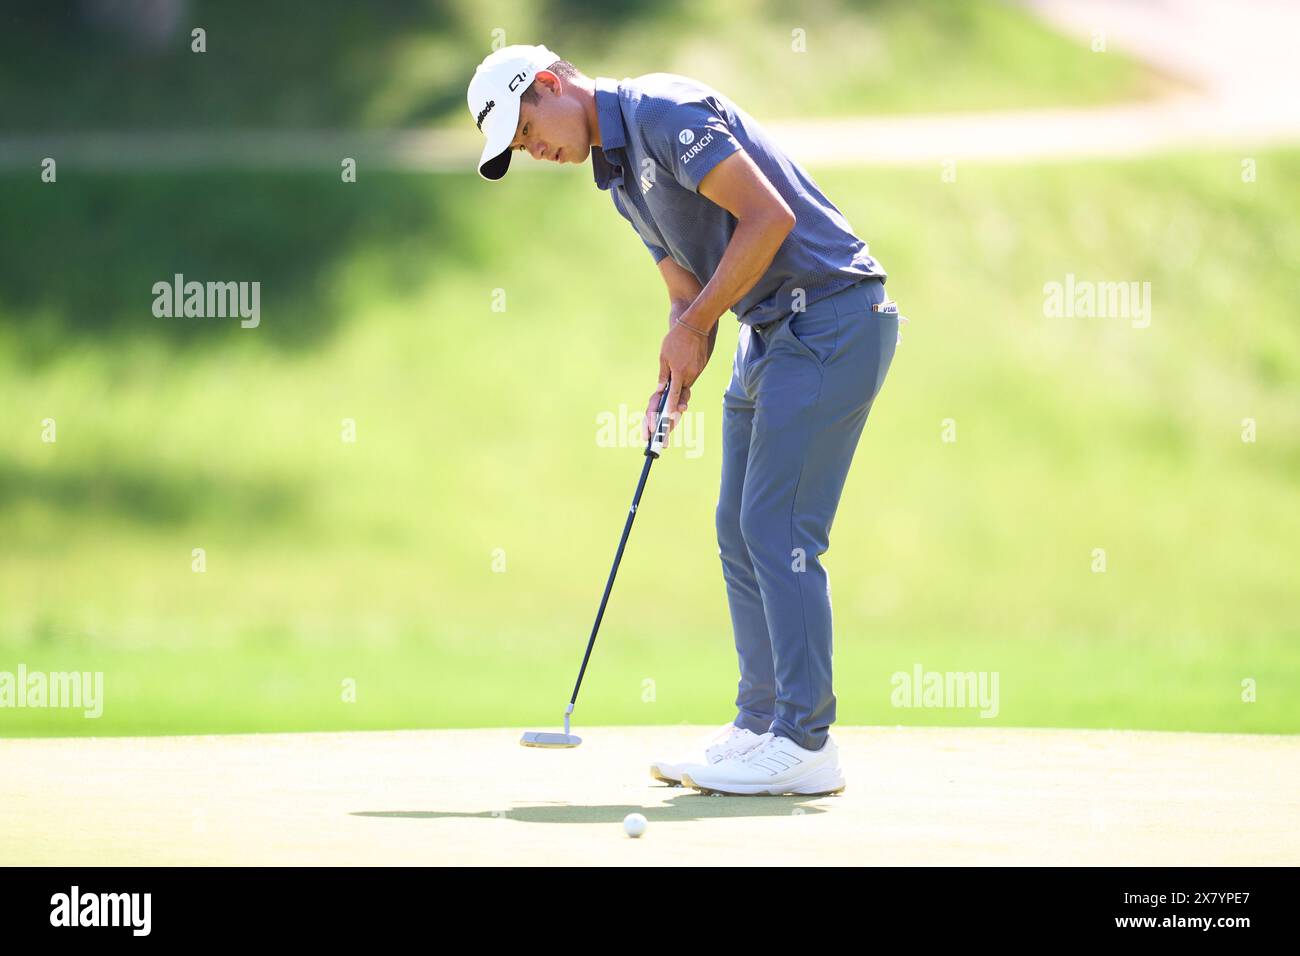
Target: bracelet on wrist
{"x":691,"y":328}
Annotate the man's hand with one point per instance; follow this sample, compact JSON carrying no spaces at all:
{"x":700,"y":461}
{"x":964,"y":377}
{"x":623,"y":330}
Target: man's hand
{"x":682,"y":356}
{"x":651,"y":416}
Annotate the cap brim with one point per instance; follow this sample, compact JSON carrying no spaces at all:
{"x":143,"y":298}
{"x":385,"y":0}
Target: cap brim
{"x":495,"y":167}
{"x":500,"y":128}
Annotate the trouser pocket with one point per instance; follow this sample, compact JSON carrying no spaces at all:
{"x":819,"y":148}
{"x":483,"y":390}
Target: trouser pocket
{"x":890,"y":307}
{"x":814,"y":332}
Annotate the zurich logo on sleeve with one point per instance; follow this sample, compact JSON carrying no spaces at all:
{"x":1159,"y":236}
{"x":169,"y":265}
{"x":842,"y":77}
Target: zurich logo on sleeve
{"x":687,"y":137}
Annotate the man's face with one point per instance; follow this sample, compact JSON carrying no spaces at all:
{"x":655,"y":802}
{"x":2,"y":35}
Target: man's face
{"x":554,"y":127}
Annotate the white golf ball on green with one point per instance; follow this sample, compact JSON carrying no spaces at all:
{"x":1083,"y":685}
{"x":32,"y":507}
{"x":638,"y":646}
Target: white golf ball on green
{"x":634,"y":825}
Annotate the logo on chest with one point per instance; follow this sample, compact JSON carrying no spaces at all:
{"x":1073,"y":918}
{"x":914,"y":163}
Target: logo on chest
{"x":647,"y":174}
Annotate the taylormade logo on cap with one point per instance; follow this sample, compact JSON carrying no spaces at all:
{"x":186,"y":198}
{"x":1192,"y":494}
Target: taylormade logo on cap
{"x":493,"y":97}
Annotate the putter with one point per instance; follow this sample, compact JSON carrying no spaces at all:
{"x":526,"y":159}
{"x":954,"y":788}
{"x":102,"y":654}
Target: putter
{"x":655,"y":444}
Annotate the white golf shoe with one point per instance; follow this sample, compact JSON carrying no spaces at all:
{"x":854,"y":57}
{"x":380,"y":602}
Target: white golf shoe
{"x":726,"y":742}
{"x":777,"y":765}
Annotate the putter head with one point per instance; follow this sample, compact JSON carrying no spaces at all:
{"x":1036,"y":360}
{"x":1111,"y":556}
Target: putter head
{"x":540,"y":738}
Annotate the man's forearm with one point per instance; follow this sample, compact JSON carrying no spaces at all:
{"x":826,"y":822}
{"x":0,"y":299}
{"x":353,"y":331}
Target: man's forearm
{"x":752,"y":247}
{"x":677,"y":308}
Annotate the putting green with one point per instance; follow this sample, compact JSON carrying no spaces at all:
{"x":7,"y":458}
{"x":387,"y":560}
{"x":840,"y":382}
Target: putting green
{"x":914,"y":796}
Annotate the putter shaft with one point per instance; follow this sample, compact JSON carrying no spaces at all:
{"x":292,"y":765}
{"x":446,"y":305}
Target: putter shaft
{"x":654,"y":445}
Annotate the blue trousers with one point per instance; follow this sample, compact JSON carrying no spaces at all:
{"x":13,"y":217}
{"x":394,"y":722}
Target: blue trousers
{"x":800,"y":392}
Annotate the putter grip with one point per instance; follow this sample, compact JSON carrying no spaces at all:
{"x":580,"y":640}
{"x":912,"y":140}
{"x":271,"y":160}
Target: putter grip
{"x":662,"y":421}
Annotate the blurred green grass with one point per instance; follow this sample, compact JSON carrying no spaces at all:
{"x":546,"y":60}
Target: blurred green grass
{"x":477,"y":431}
{"x":404,"y":63}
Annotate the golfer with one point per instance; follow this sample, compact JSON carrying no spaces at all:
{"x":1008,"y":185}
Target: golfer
{"x":733,"y":223}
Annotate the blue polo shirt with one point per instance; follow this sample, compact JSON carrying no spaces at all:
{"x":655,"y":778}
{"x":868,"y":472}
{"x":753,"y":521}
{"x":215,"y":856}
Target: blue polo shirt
{"x":660,"y":135}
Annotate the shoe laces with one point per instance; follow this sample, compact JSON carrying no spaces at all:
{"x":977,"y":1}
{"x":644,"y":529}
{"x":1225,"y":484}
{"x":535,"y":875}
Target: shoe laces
{"x":764,"y":742}
{"x":732,"y":743}
{"x":722,"y":733}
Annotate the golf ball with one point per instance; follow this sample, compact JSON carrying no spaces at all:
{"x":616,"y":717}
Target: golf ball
{"x":634,"y":825}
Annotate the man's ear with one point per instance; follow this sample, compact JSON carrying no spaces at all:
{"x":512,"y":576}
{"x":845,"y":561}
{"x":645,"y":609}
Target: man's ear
{"x":549,"y":80}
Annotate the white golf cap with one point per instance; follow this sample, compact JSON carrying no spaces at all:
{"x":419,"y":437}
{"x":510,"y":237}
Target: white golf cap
{"x":494,"y":95}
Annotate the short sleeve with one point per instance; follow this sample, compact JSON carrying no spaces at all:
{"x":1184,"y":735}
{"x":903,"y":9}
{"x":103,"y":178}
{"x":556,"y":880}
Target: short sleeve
{"x":656,"y":252}
{"x":690,"y":139}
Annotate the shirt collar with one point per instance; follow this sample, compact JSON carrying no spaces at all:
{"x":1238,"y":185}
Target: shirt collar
{"x":613,"y":132}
